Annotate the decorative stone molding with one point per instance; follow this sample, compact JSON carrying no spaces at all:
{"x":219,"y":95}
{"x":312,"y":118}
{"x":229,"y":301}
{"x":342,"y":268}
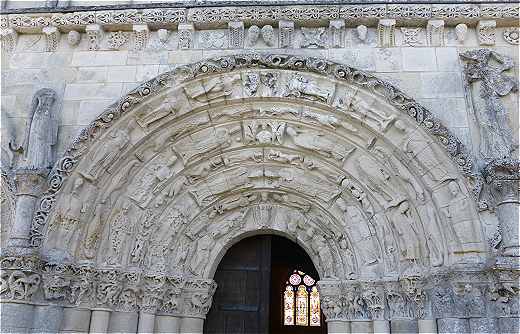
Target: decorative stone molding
{"x":435,"y":32}
{"x":337,"y":33}
{"x":386,"y":33}
{"x":285,"y":34}
{"x":141,"y":36}
{"x":236,"y":35}
{"x":95,"y":34}
{"x":301,"y":89}
{"x":52,"y":35}
{"x":486,"y":32}
{"x":8,"y":37}
{"x":186,"y":36}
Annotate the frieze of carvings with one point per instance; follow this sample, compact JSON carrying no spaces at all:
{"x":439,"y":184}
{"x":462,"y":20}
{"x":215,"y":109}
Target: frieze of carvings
{"x":218,"y":17}
{"x":299,"y":87}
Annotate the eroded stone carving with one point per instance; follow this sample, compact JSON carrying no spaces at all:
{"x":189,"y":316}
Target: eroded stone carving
{"x":186,"y":35}
{"x":52,"y":35}
{"x":411,"y":36}
{"x":286,"y":32}
{"x":461,"y":30}
{"x":73,"y":38}
{"x":337,"y":33}
{"x":386,"y":33}
{"x":236,"y":34}
{"x":117,"y":39}
{"x":435,"y":32}
{"x":511,"y":35}
{"x":314,"y":37}
{"x":486,"y":32}
{"x":95,"y":34}
{"x":496,"y":139}
{"x":362,"y":32}
{"x":8,"y":37}
{"x":141,"y":36}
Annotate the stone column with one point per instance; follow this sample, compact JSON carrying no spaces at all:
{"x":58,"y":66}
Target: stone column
{"x":123,"y":322}
{"x":504,"y":176}
{"x":382,"y":326}
{"x":146,"y":322}
{"x":29,"y":185}
{"x":197,"y":295}
{"x":99,"y":321}
{"x":404,"y":326}
{"x":427,"y":326}
{"x":47,"y":318}
{"x":192,"y":325}
{"x":361,"y":326}
{"x":75,"y":320}
{"x":338,"y":327}
{"x":16,"y":317}
{"x":167,"y":324}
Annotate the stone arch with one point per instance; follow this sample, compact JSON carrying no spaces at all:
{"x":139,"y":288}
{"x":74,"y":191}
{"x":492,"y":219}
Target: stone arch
{"x":376,"y":183}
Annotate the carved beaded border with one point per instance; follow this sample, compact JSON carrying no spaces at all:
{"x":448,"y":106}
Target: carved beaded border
{"x":220,"y":65}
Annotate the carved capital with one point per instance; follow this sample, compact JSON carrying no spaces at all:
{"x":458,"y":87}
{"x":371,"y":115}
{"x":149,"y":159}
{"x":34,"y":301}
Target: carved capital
{"x":29,"y":182}
{"x":198,"y":296}
{"x":504,"y":177}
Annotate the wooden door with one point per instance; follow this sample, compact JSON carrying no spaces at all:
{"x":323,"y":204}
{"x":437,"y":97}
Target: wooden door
{"x":241,"y":302}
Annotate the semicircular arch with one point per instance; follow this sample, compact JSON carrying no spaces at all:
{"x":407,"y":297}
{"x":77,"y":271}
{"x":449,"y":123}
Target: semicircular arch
{"x":379,"y":186}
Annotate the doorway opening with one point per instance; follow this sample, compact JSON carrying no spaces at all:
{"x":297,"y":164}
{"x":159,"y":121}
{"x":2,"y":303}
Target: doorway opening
{"x":251,"y":297}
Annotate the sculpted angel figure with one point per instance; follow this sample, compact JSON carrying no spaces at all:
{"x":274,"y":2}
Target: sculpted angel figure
{"x":300,"y":86}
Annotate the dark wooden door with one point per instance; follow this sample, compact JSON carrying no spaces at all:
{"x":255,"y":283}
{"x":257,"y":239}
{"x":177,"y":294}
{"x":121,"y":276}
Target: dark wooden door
{"x":241,"y":302}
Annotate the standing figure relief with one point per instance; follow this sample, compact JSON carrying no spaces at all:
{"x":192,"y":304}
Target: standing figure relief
{"x":42,"y":132}
{"x":118,"y":231}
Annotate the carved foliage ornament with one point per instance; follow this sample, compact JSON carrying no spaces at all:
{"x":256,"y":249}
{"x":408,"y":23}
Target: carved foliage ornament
{"x":237,"y":62}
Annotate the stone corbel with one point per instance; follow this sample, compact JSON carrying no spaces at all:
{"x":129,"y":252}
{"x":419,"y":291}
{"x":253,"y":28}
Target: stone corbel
{"x":486,"y":32}
{"x":141,"y":36}
{"x":386,"y":33}
{"x":8,"y":36}
{"x":95,"y":34}
{"x":337,"y":33}
{"x":186,"y":35}
{"x":286,"y":33}
{"x":435,"y":32}
{"x":52,"y":35}
{"x":236,"y":34}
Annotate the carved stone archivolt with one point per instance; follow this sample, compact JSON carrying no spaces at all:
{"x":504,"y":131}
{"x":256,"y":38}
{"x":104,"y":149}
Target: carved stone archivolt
{"x":194,"y":160}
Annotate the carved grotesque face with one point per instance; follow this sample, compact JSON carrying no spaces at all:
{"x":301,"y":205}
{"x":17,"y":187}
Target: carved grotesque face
{"x":362,"y":32}
{"x":73,"y":37}
{"x":253,"y":33}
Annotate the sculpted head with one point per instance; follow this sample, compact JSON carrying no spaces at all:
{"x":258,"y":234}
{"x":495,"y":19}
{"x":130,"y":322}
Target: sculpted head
{"x":454,"y":188}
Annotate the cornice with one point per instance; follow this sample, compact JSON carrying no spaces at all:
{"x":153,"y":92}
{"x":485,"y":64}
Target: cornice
{"x":28,"y":21}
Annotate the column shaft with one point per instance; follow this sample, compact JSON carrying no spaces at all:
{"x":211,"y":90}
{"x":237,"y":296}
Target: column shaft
{"x":99,"y":321}
{"x":75,"y":320}
{"x":146,"y":322}
{"x":167,"y":324}
{"x":192,"y":325}
{"x":382,"y":326}
{"x":338,"y":327}
{"x":427,"y":326}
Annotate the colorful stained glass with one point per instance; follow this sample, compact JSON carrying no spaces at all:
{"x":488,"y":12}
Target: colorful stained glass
{"x":314,"y":306}
{"x":295,"y":279}
{"x":309,"y":281}
{"x":288,"y":301}
{"x":302,"y":306}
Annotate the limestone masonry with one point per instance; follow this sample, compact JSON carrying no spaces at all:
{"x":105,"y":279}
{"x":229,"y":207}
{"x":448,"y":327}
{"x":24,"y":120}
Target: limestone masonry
{"x":141,"y":140}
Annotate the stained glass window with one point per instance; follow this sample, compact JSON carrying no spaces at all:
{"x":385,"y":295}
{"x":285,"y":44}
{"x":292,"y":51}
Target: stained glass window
{"x":301,"y":301}
{"x":288,"y":301}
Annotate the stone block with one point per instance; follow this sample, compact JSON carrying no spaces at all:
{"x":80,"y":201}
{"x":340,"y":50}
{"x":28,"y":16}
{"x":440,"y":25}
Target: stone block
{"x":453,"y":325}
{"x":451,"y":111}
{"x":60,"y":59}
{"x":28,"y":60}
{"x":363,"y":59}
{"x":404,"y":326}
{"x":94,"y":91}
{"x":419,"y":59}
{"x":147,"y":57}
{"x":15,"y":315}
{"x":75,"y":320}
{"x":361,"y":327}
{"x":146,"y":72}
{"x":121,"y":73}
{"x":69,"y":113}
{"x":184,"y":56}
{"x":509,"y":325}
{"x":388,"y":60}
{"x":167,"y":324}
{"x":448,"y":60}
{"x":99,"y":58}
{"x":483,"y":325}
{"x":92,"y":74}
{"x":89,"y":110}
{"x":441,"y":85}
